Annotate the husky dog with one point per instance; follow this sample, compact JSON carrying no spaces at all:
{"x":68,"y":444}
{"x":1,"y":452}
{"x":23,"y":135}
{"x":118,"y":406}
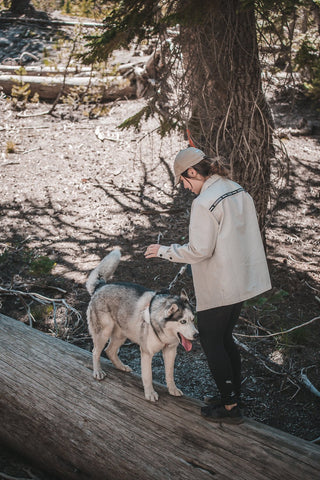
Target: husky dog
{"x":155,"y":321}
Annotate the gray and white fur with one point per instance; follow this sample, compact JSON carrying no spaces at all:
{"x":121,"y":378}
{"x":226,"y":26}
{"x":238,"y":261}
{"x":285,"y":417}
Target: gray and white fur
{"x":155,"y":321}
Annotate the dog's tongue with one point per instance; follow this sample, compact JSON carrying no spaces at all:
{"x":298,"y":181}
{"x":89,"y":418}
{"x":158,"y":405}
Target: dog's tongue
{"x":186,"y":343}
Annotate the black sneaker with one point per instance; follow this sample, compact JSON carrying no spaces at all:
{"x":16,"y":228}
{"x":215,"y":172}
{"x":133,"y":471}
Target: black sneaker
{"x":216,"y":401}
{"x":220,"y":414}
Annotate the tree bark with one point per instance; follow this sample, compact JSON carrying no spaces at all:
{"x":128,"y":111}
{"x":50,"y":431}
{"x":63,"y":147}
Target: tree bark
{"x":53,"y":412}
{"x":229,"y":112}
{"x":20,"y":6}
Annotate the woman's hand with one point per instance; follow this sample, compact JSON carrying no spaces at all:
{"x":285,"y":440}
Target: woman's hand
{"x":152,"y":250}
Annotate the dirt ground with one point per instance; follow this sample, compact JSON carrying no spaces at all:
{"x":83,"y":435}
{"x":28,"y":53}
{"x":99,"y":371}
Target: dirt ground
{"x":70,"y":197}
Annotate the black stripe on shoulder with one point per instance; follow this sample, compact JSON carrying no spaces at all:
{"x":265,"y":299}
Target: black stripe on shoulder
{"x":225,"y":195}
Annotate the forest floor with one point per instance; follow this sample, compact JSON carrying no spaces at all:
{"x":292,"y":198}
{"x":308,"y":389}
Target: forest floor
{"x":73,"y":188}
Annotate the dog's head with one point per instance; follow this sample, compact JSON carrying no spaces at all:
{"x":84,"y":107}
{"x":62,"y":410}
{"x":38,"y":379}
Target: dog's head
{"x":178,"y":320}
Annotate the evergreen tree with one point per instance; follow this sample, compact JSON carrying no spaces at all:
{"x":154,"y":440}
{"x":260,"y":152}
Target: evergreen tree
{"x":208,"y":77}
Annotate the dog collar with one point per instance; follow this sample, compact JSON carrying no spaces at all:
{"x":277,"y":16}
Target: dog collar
{"x":146,"y":314}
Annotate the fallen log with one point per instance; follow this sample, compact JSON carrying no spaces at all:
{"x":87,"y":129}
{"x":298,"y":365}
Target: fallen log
{"x":307,"y":130}
{"x":110,"y":88}
{"x":36,"y":70}
{"x":49,"y":21}
{"x":55,"y":414}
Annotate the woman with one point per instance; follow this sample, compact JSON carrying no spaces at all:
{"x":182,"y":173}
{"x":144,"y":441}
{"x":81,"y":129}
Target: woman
{"x":228,"y":264}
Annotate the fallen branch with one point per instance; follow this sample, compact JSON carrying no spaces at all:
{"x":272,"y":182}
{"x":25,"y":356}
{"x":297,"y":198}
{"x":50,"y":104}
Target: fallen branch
{"x":31,"y":150}
{"x":37,"y":297}
{"x":264,"y":361}
{"x":32,"y":127}
{"x":39,"y":70}
{"x":64,"y":77}
{"x":61,"y":89}
{"x":9,"y":163}
{"x":277,"y":333}
{"x":49,"y":21}
{"x":253,"y":325}
{"x":312,"y":288}
{"x":308,"y":384}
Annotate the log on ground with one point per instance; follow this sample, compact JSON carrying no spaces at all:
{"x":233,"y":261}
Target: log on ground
{"x":48,"y":88}
{"x":48,"y":21}
{"x":40,"y":70}
{"x":53,"y":412}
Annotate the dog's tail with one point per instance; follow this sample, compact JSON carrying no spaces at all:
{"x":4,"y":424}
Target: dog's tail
{"x":104,"y":270}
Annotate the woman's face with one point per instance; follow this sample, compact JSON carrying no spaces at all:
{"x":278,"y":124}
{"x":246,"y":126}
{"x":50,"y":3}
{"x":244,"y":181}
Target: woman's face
{"x":194,"y":182}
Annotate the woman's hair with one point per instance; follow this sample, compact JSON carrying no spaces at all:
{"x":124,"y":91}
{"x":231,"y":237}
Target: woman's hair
{"x":210,"y":166}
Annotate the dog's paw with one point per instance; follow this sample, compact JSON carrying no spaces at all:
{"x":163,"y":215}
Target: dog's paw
{"x":99,"y":374}
{"x":125,"y":368}
{"x":175,"y":392}
{"x":152,"y":396}
{"x":119,"y":365}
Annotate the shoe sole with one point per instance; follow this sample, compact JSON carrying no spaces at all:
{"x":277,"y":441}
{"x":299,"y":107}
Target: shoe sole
{"x":217,"y":403}
{"x":207,"y":401}
{"x":230,"y":421}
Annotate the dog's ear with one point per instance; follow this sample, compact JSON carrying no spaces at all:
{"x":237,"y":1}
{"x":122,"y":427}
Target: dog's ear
{"x":172,"y":310}
{"x":184,"y":296}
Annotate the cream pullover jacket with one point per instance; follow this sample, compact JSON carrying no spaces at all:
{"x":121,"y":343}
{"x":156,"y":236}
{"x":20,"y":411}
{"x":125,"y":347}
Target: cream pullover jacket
{"x":225,"y":248}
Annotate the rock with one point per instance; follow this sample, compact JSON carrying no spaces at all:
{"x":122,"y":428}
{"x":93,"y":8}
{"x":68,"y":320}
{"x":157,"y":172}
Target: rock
{"x":4,"y":42}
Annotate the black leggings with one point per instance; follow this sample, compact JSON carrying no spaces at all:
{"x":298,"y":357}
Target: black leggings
{"x":215,"y":328}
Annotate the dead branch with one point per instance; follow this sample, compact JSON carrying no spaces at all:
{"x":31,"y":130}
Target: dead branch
{"x":62,"y":87}
{"x":37,"y":297}
{"x":31,"y":150}
{"x":49,"y":21}
{"x":264,"y":361}
{"x":312,"y":288}
{"x":64,"y":76}
{"x":308,"y":384}
{"x":274,"y":368}
{"x":278,"y":333}
{"x":39,"y":70}
{"x":27,"y":54}
{"x":253,"y":325}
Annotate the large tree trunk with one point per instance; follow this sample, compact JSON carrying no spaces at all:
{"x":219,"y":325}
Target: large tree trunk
{"x":229,"y":113}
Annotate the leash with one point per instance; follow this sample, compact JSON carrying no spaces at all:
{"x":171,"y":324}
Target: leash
{"x":147,"y":311}
{"x":184,"y":267}
{"x":181,"y":272}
